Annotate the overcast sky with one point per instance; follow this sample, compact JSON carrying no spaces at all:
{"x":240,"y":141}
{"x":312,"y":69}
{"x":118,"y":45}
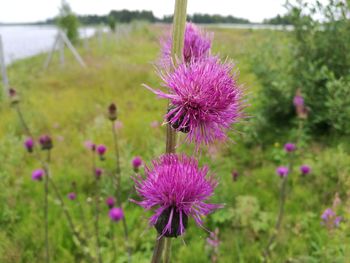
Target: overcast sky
{"x":38,"y":10}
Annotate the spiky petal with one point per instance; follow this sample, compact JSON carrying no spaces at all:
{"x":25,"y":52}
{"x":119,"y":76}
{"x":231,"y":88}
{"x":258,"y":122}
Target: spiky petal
{"x":177,"y":189}
{"x":206,"y":99}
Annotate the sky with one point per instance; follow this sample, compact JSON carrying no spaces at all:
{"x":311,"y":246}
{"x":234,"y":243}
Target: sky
{"x":39,"y":10}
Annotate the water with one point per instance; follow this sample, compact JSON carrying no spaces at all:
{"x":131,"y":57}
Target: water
{"x":25,"y":41}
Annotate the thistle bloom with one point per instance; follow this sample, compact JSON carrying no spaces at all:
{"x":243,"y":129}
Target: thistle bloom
{"x":110,"y":202}
{"x":37,"y":175}
{"x":289,"y":147}
{"x":235,"y":175}
{"x":205,"y":100}
{"x":177,"y":189}
{"x":305,"y":169}
{"x":45,"y":142}
{"x":327,"y":215}
{"x":116,"y":214}
{"x":282,"y":171}
{"x":136,"y":163}
{"x":298,"y":101}
{"x":29,"y":144}
{"x":98,"y":172}
{"x":101,"y":150}
{"x":112,"y":112}
{"x":197,"y":46}
{"x":90,"y":145}
{"x":72,"y":196}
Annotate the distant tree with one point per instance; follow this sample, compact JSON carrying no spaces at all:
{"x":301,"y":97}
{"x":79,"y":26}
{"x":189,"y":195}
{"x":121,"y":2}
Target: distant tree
{"x":68,"y":22}
{"x":280,"y":20}
{"x":111,"y":23}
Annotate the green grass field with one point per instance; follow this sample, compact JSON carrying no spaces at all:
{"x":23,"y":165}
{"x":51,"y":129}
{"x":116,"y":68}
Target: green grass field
{"x":70,"y":104}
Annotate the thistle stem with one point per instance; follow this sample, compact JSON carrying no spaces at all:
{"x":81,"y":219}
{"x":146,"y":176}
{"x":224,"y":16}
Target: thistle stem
{"x":118,"y":192}
{"x":46,"y":211}
{"x":158,"y":249}
{"x":167,"y":251}
{"x":178,"y":35}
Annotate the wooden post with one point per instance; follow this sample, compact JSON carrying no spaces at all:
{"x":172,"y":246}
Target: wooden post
{"x":49,"y":57}
{"x":72,"y":49}
{"x":5,"y":79}
{"x":61,"y":51}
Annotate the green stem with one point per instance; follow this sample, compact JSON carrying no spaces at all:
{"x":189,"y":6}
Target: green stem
{"x":178,"y":34}
{"x":118,"y":192}
{"x":46,"y":211}
{"x":167,"y":251}
{"x":158,"y":249}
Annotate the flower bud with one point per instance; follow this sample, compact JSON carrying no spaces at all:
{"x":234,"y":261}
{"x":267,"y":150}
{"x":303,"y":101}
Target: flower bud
{"x":101,"y":150}
{"x":116,"y":214}
{"x":136,"y":163}
{"x":72,"y":196}
{"x":112,"y":112}
{"x":45,"y":142}
{"x":29,"y":144}
{"x":38,"y":174}
{"x":110,"y":202}
{"x":14,"y":98}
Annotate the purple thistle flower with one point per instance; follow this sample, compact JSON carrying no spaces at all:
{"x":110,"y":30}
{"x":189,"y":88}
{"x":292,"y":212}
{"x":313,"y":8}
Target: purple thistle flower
{"x":289,"y":147}
{"x":177,"y":189}
{"x":110,"y":201}
{"x":90,"y":145}
{"x":327,"y":214}
{"x":136,"y":163}
{"x":298,"y":100}
{"x":305,"y":169}
{"x":116,"y":214}
{"x":101,"y":149}
{"x":197,"y":46}
{"x":98,"y":172}
{"x":205,"y":98}
{"x":72,"y":196}
{"x":45,"y":142}
{"x":37,"y":175}
{"x":282,"y":171}
{"x":337,"y":220}
{"x":29,"y":144}
{"x":235,"y":175}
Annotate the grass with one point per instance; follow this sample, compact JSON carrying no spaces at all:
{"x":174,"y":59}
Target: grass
{"x":70,"y":104}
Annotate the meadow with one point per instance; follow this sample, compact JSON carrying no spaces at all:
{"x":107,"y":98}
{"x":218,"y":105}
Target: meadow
{"x":70,"y":103}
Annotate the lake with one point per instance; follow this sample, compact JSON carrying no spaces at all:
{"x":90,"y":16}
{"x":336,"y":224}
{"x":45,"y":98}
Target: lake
{"x":25,"y":41}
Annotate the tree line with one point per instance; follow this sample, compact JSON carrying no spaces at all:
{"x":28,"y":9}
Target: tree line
{"x":127,"y":16}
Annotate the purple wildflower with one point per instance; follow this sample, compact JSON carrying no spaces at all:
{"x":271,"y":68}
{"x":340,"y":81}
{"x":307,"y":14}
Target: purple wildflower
{"x":298,"y":100}
{"x":98,"y":172}
{"x":90,"y":145}
{"x":205,"y":100}
{"x":337,"y":220}
{"x":45,"y":142}
{"x":235,"y":175}
{"x":197,"y":46}
{"x":72,"y":196}
{"x":29,"y":144}
{"x":116,"y":214}
{"x":305,"y":169}
{"x":37,"y":175}
{"x":327,"y":215}
{"x":282,"y":171}
{"x":289,"y":147}
{"x":101,"y":150}
{"x":110,"y":201}
{"x":112,"y":112}
{"x":177,"y":189}
{"x":136,"y":163}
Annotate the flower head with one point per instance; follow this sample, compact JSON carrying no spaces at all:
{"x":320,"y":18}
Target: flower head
{"x":136,"y":163}
{"x":298,"y":100}
{"x":116,"y":214}
{"x":205,"y":100}
{"x":90,"y":145}
{"x":45,"y":142}
{"x":197,"y":46}
{"x":37,"y":175}
{"x":282,"y":171}
{"x":177,"y":189}
{"x":289,"y":147}
{"x":305,"y":169}
{"x":72,"y":196}
{"x":327,"y":214}
{"x":98,"y":172}
{"x":110,"y":201}
{"x":29,"y":144}
{"x":112,"y":112}
{"x":101,"y":150}
{"x":235,"y":175}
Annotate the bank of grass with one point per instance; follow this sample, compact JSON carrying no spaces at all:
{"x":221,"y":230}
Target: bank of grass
{"x":70,"y":104}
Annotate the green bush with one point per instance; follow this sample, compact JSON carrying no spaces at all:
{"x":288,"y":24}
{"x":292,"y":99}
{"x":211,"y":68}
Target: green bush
{"x":68,"y":22}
